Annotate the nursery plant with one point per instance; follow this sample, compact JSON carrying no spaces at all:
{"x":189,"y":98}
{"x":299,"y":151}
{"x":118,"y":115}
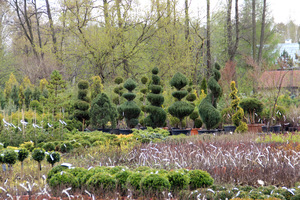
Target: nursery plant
{"x":9,"y":157}
{"x":38,"y":155}
{"x":251,"y":106}
{"x":129,"y":109}
{"x":96,"y":87}
{"x":53,"y":157}
{"x":82,"y":105}
{"x":209,"y":114}
{"x":157,"y":116}
{"x":22,"y":155}
{"x":103,"y":111}
{"x":238,"y":116}
{"x":179,"y":108}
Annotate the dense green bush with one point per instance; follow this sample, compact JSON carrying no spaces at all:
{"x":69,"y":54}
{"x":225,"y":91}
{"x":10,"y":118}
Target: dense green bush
{"x":209,"y":114}
{"x":38,"y":155}
{"x":180,"y":109}
{"x":178,"y":180}
{"x":63,"y":180}
{"x":200,"y":179}
{"x":157,"y":116}
{"x":22,"y":154}
{"x":10,"y":156}
{"x":102,"y":181}
{"x":154,"y":184}
{"x":251,"y":105}
{"x":53,"y":157}
{"x":55,"y":170}
{"x":49,"y":146}
{"x":121,"y":178}
{"x":134,"y":180}
{"x":66,"y":147}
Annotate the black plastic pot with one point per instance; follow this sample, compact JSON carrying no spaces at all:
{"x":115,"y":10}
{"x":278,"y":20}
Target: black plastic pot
{"x":229,"y":128}
{"x":202,"y":131}
{"x":105,"y":130}
{"x":125,"y":131}
{"x":180,"y":131}
{"x":275,"y":129}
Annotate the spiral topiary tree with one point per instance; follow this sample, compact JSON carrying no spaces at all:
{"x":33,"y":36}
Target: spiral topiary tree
{"x":180,"y":109}
{"x":239,"y":112}
{"x":209,"y":114}
{"x":82,"y":105}
{"x":129,"y":109}
{"x":157,"y":116}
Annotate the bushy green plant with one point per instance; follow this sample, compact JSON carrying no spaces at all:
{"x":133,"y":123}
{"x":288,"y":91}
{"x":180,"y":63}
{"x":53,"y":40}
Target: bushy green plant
{"x":121,"y":178}
{"x":134,"y":180}
{"x":96,"y":87}
{"x":154,"y":184}
{"x":209,"y":114}
{"x":129,"y":109}
{"x":180,"y":109}
{"x":157,"y":116}
{"x":49,"y":146}
{"x":198,"y":123}
{"x":53,"y":157}
{"x":103,"y":181}
{"x":54,"y":170}
{"x":35,"y":105}
{"x":82,"y":104}
{"x":28,"y":145}
{"x":63,"y":179}
{"x":66,"y":147}
{"x":200,"y":179}
{"x":22,"y":154}
{"x":102,"y":111}
{"x":178,"y":180}
{"x":10,"y":156}
{"x":38,"y":155}
{"x":238,"y":116}
{"x":251,"y":106}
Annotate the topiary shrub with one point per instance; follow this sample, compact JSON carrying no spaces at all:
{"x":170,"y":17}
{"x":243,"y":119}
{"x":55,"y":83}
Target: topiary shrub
{"x":129,"y":109}
{"x":55,"y":170}
{"x":134,"y":181}
{"x":209,"y":114}
{"x":180,"y":109}
{"x":53,"y":157}
{"x":66,"y":147}
{"x":101,"y":183}
{"x":102,"y":111}
{"x":121,"y":178}
{"x":154,"y":185}
{"x":251,"y":106}
{"x":38,"y":155}
{"x":63,"y":180}
{"x":238,"y":116}
{"x":198,"y":123}
{"x":82,"y":104}
{"x":10,"y":157}
{"x":49,"y":146}
{"x":96,"y":87}
{"x":22,"y":155}
{"x":178,"y":180}
{"x":157,"y":116}
{"x":200,"y":179}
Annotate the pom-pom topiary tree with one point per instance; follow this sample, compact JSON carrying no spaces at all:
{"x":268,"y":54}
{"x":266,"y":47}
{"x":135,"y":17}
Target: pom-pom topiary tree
{"x":53,"y":157}
{"x":251,"y":106}
{"x":129,"y":109}
{"x":38,"y":155}
{"x":209,"y":114}
{"x":157,"y":116}
{"x":22,"y":155}
{"x":10,"y":157}
{"x":238,"y":116}
{"x":180,"y":109}
{"x":82,"y":105}
{"x":102,"y":111}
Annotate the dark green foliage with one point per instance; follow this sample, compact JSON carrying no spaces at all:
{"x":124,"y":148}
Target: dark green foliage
{"x":144,"y":91}
{"x":118,"y":80}
{"x":66,"y":147}
{"x":191,"y":97}
{"x":38,"y":154}
{"x":155,"y":183}
{"x":210,"y":116}
{"x":251,"y":105}
{"x":2,"y":100}
{"x":144,"y":80}
{"x":198,"y":123}
{"x":82,"y":105}
{"x":28,"y":95}
{"x":36,"y":94}
{"x":102,"y":181}
{"x":203,"y":86}
{"x":82,"y":95}
{"x":35,"y":105}
{"x":129,"y":96}
{"x":179,"y":94}
{"x":180,"y":109}
{"x":55,"y":170}
{"x":200,"y":179}
{"x":194,"y":115}
{"x":53,"y":157}
{"x":23,"y":154}
{"x":178,"y":180}
{"x":189,"y":89}
{"x":296,"y":197}
{"x":179,"y":81}
{"x":129,"y":109}
{"x":63,"y":179}
{"x":102,"y":111}
{"x":10,"y":157}
{"x":157,"y":116}
{"x":49,"y":146}
{"x":134,"y":180}
{"x":121,"y":178}
{"x":83,"y":84}
{"x":15,"y":96}
{"x":45,"y":93}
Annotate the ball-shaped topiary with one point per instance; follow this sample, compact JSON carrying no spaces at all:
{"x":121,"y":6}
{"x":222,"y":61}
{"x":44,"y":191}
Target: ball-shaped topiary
{"x":209,"y":114}
{"x":178,"y":180}
{"x":38,"y":154}
{"x":180,"y":109}
{"x":22,"y":154}
{"x":251,"y":105}
{"x":157,"y":116}
{"x":102,"y":111}
{"x":118,"y":80}
{"x":200,"y":179}
{"x":154,"y":184}
{"x":129,"y":109}
{"x":10,"y":157}
{"x":238,"y":116}
{"x":103,"y":181}
{"x":49,"y":146}
{"x":53,"y":157}
{"x":55,"y":170}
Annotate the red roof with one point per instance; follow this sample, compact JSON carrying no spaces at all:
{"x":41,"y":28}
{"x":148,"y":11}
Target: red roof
{"x":271,"y":79}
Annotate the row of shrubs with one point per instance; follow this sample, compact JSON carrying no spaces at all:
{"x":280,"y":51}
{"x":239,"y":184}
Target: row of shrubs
{"x":142,"y":181}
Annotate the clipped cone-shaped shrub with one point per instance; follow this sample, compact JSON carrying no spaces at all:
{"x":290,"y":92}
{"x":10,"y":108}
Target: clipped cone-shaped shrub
{"x":103,"y":111}
{"x":209,"y":114}
{"x":157,"y":116}
{"x":129,"y":109}
{"x":180,"y":109}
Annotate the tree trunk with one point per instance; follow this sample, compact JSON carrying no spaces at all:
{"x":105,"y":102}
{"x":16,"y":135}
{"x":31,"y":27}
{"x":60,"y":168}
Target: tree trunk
{"x":51,"y":27}
{"x":208,"y":54}
{"x":106,"y":15}
{"x":262,"y":35}
{"x":187,"y":21}
{"x":253,"y":29}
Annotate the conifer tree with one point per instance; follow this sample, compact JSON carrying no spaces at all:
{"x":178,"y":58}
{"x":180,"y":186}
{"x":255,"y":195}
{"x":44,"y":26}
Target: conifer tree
{"x":82,"y":105}
{"x":15,"y":96}
{"x":96,"y":87}
{"x":28,"y":95}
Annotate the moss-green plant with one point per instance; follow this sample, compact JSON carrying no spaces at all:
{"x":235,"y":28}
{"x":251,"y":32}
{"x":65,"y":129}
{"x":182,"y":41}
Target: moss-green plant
{"x":63,"y":179}
{"x":54,"y":170}
{"x":66,"y":147}
{"x":53,"y":157}
{"x":154,"y":184}
{"x":157,"y":116}
{"x":22,"y":155}
{"x":180,"y":109}
{"x":103,"y":181}
{"x":209,"y":114}
{"x":251,"y":106}
{"x":49,"y":146}
{"x":121,"y":178}
{"x":238,"y":116}
{"x":10,"y":156}
{"x":38,"y":155}
{"x":200,"y":179}
{"x":129,"y":109}
{"x":96,"y":87}
{"x":178,"y":180}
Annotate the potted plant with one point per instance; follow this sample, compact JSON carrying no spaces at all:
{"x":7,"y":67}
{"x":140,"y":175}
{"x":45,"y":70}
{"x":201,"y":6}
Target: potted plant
{"x":157,"y":116}
{"x":129,"y":109}
{"x":103,"y":111}
{"x":209,"y":114}
{"x":179,"y":108}
{"x":253,"y":107}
